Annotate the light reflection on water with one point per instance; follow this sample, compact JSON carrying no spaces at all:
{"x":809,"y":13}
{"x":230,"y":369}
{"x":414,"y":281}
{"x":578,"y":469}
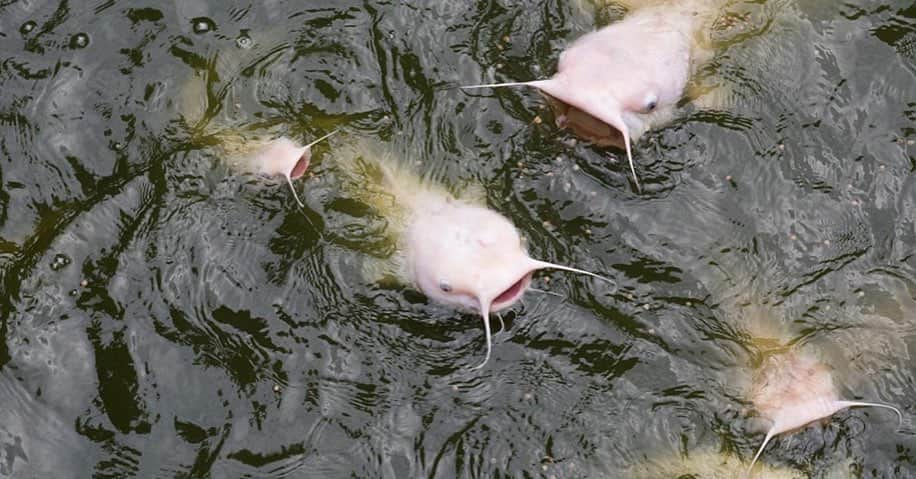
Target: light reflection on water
{"x":165,"y":316}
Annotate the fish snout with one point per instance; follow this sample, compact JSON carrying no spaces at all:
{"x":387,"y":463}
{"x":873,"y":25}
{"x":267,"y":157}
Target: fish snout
{"x":510,"y":294}
{"x":584,"y":125}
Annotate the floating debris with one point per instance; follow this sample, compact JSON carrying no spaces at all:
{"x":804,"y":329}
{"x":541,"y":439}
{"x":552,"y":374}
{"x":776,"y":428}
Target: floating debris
{"x":79,"y":40}
{"x":202,"y":25}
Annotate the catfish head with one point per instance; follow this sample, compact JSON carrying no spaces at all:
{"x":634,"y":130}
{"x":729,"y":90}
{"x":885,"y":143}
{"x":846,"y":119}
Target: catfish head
{"x":283,"y":157}
{"x":470,"y":257}
{"x":792,"y":390}
{"x":610,"y":83}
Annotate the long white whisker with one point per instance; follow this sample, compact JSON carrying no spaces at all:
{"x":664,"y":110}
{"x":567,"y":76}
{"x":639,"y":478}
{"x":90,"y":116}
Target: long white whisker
{"x":289,"y":181}
{"x":495,"y":85}
{"x":543,"y":264}
{"x":626,"y":143}
{"x":763,"y":446}
{"x":321,"y":139}
{"x":874,"y":404}
{"x":485,"y":313}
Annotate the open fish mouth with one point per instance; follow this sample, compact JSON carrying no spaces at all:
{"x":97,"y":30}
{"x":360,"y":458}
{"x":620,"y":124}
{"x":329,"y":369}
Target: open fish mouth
{"x":584,"y":125}
{"x":301,"y":166}
{"x":511,"y":294}
{"x":606,"y":127}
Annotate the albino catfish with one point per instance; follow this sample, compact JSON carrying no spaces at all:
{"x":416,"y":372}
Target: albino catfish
{"x":793,"y":389}
{"x":612,"y":84}
{"x":210,"y":103}
{"x":452,"y":248}
{"x":269,"y":156}
{"x":706,"y":464}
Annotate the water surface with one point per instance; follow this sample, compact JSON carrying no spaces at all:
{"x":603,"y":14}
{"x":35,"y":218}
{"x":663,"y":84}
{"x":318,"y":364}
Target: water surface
{"x":166,"y":316}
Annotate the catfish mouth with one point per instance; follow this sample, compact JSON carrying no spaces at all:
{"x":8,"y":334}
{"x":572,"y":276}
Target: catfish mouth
{"x":511,"y":294}
{"x":584,"y":125}
{"x":301,"y":165}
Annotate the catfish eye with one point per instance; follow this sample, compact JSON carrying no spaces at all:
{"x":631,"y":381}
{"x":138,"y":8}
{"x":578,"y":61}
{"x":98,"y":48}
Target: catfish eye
{"x":445,"y":286}
{"x":650,"y":102}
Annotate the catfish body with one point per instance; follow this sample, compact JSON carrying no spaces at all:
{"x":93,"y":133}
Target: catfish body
{"x":792,"y":385}
{"x":793,"y":389}
{"x":627,"y":76}
{"x":615,"y":83}
{"x":204,"y":102}
{"x":452,"y":248}
{"x":707,"y":465}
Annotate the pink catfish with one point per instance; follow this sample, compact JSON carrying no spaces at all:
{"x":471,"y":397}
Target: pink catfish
{"x":247,"y":148}
{"x":453,"y":249}
{"x":470,"y":257}
{"x":275,"y":157}
{"x":792,"y":390}
{"x":611,"y":82}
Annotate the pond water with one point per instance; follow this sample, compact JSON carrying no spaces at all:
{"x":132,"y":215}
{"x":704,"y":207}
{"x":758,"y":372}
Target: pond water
{"x":164,"y":315}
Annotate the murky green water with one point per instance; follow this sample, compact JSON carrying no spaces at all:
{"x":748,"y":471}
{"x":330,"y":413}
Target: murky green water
{"x":165,"y":316}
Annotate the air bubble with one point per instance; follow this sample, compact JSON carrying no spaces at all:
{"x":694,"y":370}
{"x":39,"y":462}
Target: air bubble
{"x":244,"y":42}
{"x":60,"y":261}
{"x":27,"y":27}
{"x":203,"y":25}
{"x":80,"y":40}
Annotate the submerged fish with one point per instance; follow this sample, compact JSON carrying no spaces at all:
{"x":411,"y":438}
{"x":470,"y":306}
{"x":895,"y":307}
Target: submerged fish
{"x":793,"y":389}
{"x":264,"y":149}
{"x":452,"y":248}
{"x":793,"y":385}
{"x":269,"y":156}
{"x":706,"y":465}
{"x":614,"y":84}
